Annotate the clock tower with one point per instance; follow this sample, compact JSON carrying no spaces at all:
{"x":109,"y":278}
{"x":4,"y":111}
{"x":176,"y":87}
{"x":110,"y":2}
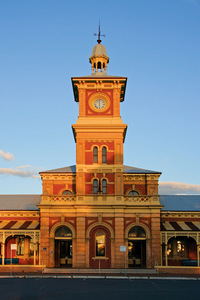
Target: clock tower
{"x":99,"y":131}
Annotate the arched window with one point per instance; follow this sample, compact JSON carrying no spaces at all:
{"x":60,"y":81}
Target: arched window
{"x":67,"y":192}
{"x":136,"y":232}
{"x":100,"y":238}
{"x":95,"y":155}
{"x":104,"y":186}
{"x":95,"y":186}
{"x":133,"y":193}
{"x":104,"y":155}
{"x":63,"y":231}
{"x":99,"y":65}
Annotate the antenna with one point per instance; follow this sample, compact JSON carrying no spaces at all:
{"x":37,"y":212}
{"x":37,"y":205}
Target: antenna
{"x":99,"y":34}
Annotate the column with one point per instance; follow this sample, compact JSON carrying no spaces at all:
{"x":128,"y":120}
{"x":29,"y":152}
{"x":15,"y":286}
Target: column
{"x":119,"y":241}
{"x":80,"y":241}
{"x":155,"y":243}
{"x":3,"y":249}
{"x":34,"y":254}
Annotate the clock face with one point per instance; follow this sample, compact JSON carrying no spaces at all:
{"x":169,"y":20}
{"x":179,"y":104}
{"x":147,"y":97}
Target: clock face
{"x":99,"y":103}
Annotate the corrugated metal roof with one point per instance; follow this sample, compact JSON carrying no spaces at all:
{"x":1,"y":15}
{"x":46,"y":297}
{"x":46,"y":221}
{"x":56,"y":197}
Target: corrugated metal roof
{"x":70,"y":169}
{"x":180,"y":202}
{"x":127,"y":169}
{"x":130,"y":170}
{"x":19,"y":202}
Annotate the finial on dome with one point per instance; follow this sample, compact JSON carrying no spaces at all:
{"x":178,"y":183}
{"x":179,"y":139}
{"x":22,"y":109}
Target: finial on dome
{"x":99,"y":34}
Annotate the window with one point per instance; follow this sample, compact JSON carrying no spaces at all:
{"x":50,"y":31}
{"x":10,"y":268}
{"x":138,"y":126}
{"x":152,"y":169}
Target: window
{"x":63,"y":231}
{"x":95,"y":155}
{"x":20,"y":245}
{"x":104,"y":186}
{"x":133,"y":193}
{"x":95,"y":186}
{"x":136,"y":232}
{"x":67,"y":192}
{"x":176,"y":247}
{"x":100,"y":243}
{"x":104,"y":155}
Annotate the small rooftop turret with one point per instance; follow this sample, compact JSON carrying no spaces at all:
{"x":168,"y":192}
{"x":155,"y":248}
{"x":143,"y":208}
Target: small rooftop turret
{"x":99,"y":58}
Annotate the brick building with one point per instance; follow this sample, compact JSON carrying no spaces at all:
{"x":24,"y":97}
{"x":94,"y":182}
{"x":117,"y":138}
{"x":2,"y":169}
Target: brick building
{"x":87,"y":211}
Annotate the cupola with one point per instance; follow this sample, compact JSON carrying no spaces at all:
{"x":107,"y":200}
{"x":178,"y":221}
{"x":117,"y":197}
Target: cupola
{"x":99,"y":58}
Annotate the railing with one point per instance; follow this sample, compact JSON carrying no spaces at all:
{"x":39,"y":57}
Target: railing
{"x":100,"y":199}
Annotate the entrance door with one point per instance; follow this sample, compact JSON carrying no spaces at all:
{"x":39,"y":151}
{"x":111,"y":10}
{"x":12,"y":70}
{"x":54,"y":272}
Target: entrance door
{"x":137,"y":254}
{"x":63,"y":253}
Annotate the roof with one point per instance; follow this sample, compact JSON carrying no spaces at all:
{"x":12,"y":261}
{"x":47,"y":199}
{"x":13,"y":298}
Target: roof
{"x":99,"y":49}
{"x":19,"y":202}
{"x":133,"y":170}
{"x":127,"y":169}
{"x":180,"y":202}
{"x":70,"y":169}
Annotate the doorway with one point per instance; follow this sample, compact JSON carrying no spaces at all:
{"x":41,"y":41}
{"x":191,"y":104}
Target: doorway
{"x":137,"y":247}
{"x":63,"y":253}
{"x":137,"y":254}
{"x":63,"y":247}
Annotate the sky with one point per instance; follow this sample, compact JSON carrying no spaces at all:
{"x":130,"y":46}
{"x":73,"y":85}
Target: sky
{"x":154,"y":43}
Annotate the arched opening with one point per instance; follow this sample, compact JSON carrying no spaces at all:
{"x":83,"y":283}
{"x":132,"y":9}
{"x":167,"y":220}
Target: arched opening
{"x":180,"y":251}
{"x":137,"y":247}
{"x":63,"y":247}
{"x":104,"y":155}
{"x":67,"y":192}
{"x":99,"y":65}
{"x":95,"y":155}
{"x":100,"y":247}
{"x":24,"y":252}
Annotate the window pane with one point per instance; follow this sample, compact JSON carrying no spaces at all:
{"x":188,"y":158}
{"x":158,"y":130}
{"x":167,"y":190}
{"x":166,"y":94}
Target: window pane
{"x":100,"y":243}
{"x":95,"y":186}
{"x":104,"y":186}
{"x":63,"y":231}
{"x":133,"y":193}
{"x":104,"y":155}
{"x":136,"y":231}
{"x":20,"y":245}
{"x":95,"y":155}
{"x":67,"y":192}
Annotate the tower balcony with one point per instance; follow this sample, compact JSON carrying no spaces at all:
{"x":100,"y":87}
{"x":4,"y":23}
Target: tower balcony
{"x":100,"y":199}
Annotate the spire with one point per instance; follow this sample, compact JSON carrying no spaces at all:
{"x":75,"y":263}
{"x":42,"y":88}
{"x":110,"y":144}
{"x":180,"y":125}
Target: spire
{"x":99,"y":58}
{"x":99,"y":35}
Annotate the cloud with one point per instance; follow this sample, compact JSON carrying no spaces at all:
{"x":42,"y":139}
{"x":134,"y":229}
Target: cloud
{"x":24,"y":167}
{"x":20,"y":173}
{"x":173,"y":188}
{"x":6,"y":156}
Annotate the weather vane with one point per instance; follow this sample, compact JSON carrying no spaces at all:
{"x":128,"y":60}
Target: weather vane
{"x":99,"y":35}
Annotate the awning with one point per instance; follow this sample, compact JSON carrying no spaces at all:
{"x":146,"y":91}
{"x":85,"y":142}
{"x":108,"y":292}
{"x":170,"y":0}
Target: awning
{"x":13,"y":225}
{"x":180,"y":226}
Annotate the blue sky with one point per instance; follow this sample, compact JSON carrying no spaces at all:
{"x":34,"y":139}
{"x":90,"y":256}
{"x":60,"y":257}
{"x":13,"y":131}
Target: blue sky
{"x":155,"y":43}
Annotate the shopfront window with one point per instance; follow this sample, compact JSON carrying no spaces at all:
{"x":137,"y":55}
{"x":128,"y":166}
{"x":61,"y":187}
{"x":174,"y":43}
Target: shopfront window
{"x":20,"y":245}
{"x":176,"y":247}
